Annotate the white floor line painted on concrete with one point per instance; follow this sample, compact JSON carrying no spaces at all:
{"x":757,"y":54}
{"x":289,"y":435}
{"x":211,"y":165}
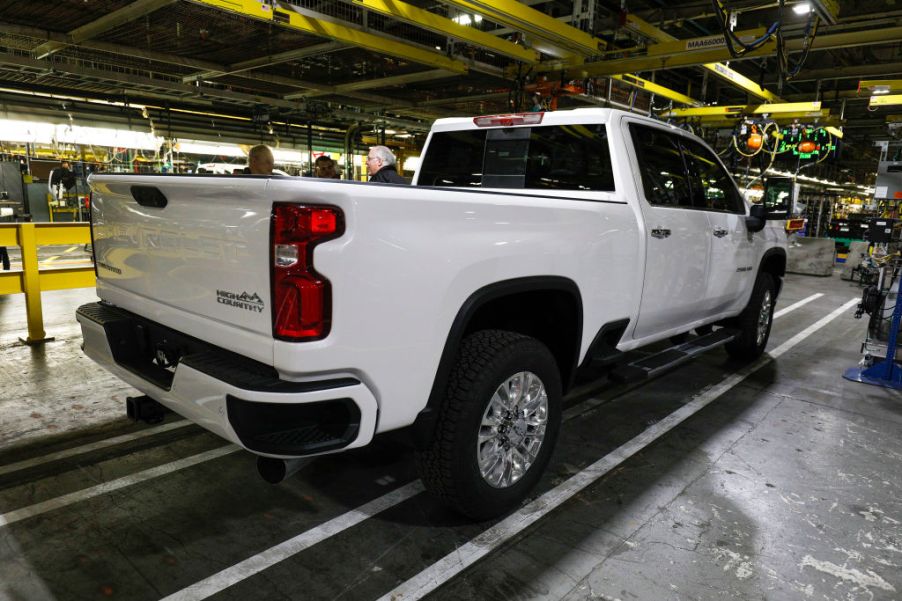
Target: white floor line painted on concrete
{"x":87,"y":448}
{"x":101,"y":489}
{"x":795,"y":306}
{"x":452,"y":564}
{"x":465,"y":556}
{"x":256,"y":564}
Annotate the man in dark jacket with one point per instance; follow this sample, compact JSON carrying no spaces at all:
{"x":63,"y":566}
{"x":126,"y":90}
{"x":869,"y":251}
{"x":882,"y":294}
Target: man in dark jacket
{"x":380,"y":166}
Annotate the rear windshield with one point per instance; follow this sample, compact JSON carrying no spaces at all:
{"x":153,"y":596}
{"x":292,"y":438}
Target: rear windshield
{"x":556,"y":157}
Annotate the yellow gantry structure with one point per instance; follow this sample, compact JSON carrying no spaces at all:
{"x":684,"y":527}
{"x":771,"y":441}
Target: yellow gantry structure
{"x":337,"y":32}
{"x":561,"y":40}
{"x":881,"y":86}
{"x":691,"y":45}
{"x":807,"y":109}
{"x":785,"y":112}
{"x":409,"y":13}
{"x":890,"y":100}
{"x":721,"y":70}
{"x":700,"y":58}
{"x":657,"y":89}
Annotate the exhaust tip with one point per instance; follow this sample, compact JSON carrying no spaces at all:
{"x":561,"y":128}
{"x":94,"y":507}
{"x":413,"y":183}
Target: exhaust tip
{"x":271,"y":470}
{"x":276,"y":471}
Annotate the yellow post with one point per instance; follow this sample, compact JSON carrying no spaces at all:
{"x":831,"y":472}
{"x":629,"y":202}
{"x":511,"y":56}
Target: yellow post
{"x":31,"y":282}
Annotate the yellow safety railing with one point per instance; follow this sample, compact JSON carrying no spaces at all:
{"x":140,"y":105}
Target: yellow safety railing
{"x":32,"y":280}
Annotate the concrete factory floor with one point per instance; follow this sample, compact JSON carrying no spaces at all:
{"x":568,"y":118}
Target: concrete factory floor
{"x":781,"y":482}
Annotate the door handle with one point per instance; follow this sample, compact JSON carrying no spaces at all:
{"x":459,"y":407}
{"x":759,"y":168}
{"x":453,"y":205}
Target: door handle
{"x":659,"y":232}
{"x":720,"y":232}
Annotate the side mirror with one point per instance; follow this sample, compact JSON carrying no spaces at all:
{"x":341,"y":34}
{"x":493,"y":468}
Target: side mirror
{"x":757,"y":218}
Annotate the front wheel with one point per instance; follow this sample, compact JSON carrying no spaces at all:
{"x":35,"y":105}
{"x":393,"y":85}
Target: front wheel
{"x":755,"y":321}
{"x":497,"y":426}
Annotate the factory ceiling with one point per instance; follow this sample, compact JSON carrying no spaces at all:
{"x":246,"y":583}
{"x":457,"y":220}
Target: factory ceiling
{"x":402,"y":64}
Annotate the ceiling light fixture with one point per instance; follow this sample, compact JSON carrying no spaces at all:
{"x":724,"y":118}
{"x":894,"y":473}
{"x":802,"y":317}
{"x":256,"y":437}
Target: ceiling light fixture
{"x":803,"y":8}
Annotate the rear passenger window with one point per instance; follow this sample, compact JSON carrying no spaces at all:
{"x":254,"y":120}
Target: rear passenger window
{"x":712,"y":188}
{"x":569,"y":157}
{"x":553,"y":157}
{"x":661,"y":165}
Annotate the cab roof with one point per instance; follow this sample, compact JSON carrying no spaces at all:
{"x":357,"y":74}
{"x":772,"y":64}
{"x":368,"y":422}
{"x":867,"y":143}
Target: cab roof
{"x":527,"y":119}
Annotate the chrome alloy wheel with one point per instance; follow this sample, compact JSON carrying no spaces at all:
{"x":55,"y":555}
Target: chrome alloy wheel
{"x":512,"y":429}
{"x":764,"y":317}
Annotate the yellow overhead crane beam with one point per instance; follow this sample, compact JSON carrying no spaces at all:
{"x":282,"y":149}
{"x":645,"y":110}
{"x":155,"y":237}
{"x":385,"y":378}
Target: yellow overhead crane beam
{"x":738,"y":110}
{"x":409,"y":13}
{"x":826,"y":119}
{"x":699,"y":58}
{"x":890,"y":100}
{"x":705,"y":43}
{"x":341,"y":33}
{"x":638,"y":64}
{"x":880,"y":86}
{"x":739,"y":80}
{"x":656,"y":89}
{"x":560,"y":36}
{"x":786,"y":112}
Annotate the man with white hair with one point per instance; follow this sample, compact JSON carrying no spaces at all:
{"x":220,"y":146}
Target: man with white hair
{"x":259,"y":161}
{"x":380,"y":166}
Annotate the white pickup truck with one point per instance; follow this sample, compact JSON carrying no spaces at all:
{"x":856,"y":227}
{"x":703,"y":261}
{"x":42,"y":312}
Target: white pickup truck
{"x":297,"y":316}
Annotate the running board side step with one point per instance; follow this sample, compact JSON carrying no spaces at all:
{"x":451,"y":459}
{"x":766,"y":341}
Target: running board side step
{"x":651,"y":366}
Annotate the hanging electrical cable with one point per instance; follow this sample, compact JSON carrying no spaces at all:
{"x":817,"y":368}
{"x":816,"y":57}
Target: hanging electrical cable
{"x":786,"y":72}
{"x":765,"y":144}
{"x":735,"y":45}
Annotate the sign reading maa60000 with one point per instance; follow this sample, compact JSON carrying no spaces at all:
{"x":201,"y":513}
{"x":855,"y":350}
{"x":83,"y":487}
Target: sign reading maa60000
{"x":248,"y":302}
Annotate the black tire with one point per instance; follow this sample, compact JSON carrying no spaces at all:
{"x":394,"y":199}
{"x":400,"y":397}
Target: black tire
{"x":449,"y":466}
{"x":751,"y":341}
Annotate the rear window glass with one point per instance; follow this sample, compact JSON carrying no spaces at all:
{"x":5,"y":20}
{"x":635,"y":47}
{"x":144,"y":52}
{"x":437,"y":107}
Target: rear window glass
{"x":557,"y":157}
{"x":454,"y":159}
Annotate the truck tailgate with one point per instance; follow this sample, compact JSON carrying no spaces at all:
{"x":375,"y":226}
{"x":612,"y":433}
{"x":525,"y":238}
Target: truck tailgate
{"x":204,"y":254}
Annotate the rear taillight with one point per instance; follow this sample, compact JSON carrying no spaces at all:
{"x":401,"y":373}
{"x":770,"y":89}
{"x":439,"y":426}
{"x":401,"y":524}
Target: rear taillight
{"x":301,"y":298}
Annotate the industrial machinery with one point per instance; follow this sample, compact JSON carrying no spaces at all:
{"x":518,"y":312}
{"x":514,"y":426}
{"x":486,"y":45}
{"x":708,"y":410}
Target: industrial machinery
{"x":880,"y":301}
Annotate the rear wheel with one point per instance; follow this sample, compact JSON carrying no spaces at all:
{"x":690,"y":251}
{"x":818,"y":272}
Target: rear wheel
{"x":755,"y":321}
{"x":497,"y":426}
